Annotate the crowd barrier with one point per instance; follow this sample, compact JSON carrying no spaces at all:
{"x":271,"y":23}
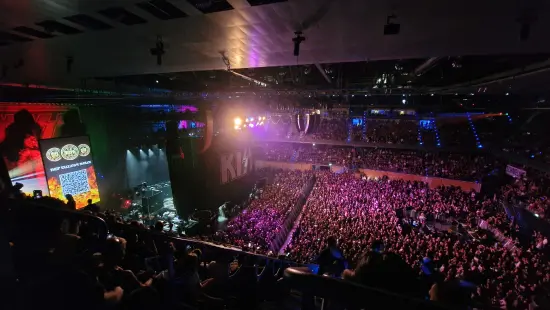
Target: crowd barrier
{"x":499,"y":235}
{"x":280,"y":239}
{"x":433,"y":182}
{"x":212,"y":251}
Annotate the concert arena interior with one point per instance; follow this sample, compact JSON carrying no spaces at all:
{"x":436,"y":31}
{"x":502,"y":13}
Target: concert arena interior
{"x":274,"y":154}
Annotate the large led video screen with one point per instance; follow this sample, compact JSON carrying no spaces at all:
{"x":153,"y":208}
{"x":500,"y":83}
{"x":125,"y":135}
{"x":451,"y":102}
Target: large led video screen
{"x":69,"y":169}
{"x":21,"y":127}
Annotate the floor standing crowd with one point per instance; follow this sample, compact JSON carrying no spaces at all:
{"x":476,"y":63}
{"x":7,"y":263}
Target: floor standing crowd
{"x":260,"y":223}
{"x":359,"y":213}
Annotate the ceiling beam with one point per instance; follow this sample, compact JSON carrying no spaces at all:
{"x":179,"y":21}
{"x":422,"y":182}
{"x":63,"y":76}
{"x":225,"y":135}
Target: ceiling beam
{"x":323,"y":73}
{"x":257,"y":82}
{"x":426,"y":66}
{"x":239,"y":4}
{"x":514,"y":74}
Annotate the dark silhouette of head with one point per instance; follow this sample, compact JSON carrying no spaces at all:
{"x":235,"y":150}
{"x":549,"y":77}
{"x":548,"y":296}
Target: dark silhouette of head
{"x":381,"y":270}
{"x":450,"y":292}
{"x":114,"y":251}
{"x":377,"y":246}
{"x":159,"y":225}
{"x":72,"y":125}
{"x":22,"y":127}
{"x":332,"y":242}
{"x":23,"y":117}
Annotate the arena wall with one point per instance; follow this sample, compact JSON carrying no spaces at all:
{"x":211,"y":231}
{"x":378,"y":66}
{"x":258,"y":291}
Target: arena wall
{"x":433,"y":182}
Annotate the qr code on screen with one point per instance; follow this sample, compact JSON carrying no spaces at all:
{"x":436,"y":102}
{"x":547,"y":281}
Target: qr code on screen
{"x":75,"y":182}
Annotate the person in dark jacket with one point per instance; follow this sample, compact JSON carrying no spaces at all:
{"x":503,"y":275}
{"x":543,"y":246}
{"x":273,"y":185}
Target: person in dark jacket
{"x":71,"y":204}
{"x":331,"y":260}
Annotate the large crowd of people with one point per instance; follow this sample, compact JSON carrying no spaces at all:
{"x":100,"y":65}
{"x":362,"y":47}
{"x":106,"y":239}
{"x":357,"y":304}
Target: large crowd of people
{"x":531,"y":192}
{"x":359,"y":213}
{"x":443,"y":243}
{"x":388,"y":131}
{"x":438,"y":235}
{"x":256,"y":227}
{"x":57,"y":258}
{"x":332,"y":129}
{"x":462,"y":166}
{"x":467,"y":131}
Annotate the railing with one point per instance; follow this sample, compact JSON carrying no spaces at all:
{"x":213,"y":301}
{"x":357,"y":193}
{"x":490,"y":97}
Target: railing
{"x":297,"y":276}
{"x":506,"y":242}
{"x":347,"y":294}
{"x":32,"y":218}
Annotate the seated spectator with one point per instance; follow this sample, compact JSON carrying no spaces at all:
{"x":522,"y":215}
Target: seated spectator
{"x":331,"y":260}
{"x":159,"y":226}
{"x":111,"y":275}
{"x":380,"y":270}
{"x":451,"y":293}
{"x":71,"y":204}
{"x":391,"y":131}
{"x":335,"y":128}
{"x":92,"y":207}
{"x":217,"y":284}
{"x":446,"y":165}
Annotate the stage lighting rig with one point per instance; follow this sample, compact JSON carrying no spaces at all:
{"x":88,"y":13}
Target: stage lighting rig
{"x":298,"y":39}
{"x":158,"y":50}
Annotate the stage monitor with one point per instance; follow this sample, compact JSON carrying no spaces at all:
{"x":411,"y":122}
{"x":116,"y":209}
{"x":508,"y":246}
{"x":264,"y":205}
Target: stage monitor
{"x":69,"y":169}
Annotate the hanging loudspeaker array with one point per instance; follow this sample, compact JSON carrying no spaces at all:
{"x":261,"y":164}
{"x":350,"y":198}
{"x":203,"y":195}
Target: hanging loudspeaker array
{"x":311,"y":123}
{"x":299,"y":122}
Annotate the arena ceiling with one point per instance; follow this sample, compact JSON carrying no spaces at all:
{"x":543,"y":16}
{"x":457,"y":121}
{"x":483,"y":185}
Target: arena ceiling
{"x":62,"y":42}
{"x":490,"y":75}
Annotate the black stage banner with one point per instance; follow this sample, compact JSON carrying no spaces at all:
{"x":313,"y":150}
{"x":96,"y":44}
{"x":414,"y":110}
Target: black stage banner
{"x":200,"y":181}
